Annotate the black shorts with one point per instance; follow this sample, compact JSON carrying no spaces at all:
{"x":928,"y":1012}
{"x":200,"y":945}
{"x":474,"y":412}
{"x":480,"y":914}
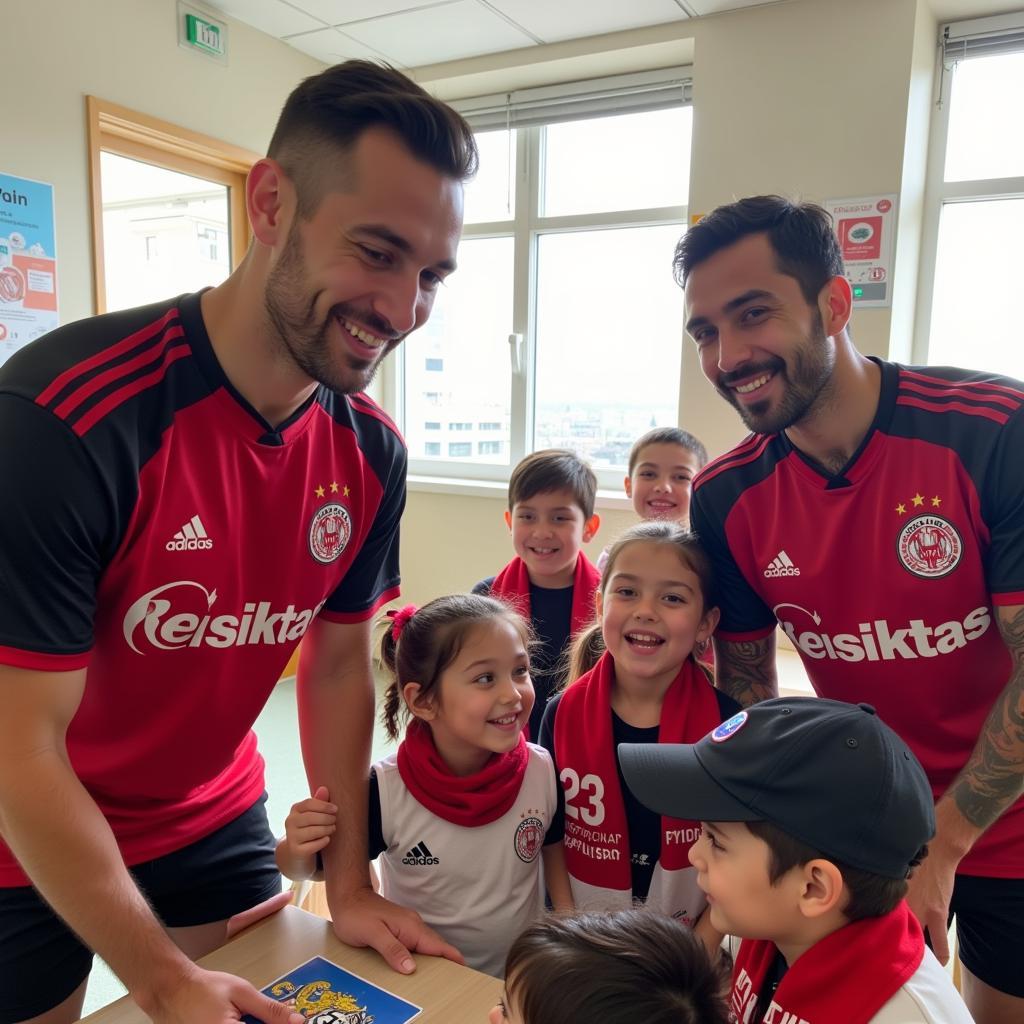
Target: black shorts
{"x":41,"y":960}
{"x":988,"y":913}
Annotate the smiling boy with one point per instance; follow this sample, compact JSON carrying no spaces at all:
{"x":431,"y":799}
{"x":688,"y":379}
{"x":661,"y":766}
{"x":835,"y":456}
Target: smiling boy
{"x":550,"y":514}
{"x":815,"y":814}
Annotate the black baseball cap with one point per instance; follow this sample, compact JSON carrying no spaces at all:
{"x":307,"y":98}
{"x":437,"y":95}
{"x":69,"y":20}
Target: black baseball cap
{"x":830,"y":774}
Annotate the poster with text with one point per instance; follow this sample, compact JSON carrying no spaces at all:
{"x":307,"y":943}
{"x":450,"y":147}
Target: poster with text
{"x":866,"y":229}
{"x":28,"y":263}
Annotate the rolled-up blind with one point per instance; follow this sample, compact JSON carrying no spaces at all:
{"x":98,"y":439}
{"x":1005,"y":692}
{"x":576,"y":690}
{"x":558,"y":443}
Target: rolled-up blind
{"x":983,"y":37}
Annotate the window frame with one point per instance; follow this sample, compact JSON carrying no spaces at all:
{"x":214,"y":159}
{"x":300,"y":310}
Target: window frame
{"x":939,"y":192}
{"x":137,"y":136}
{"x":525,"y":227}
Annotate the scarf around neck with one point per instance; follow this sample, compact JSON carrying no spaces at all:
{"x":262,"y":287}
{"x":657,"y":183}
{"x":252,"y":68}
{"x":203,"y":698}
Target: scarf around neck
{"x":597,"y":847}
{"x":467,"y":800}
{"x":848,"y":976}
{"x":512,"y":584}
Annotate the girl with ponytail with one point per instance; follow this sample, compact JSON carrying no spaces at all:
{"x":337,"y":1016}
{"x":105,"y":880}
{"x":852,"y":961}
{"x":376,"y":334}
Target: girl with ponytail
{"x":466,"y":811}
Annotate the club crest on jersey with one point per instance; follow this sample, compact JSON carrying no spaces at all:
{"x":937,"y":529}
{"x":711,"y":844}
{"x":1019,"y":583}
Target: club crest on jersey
{"x":529,"y":839}
{"x":329,"y":532}
{"x":930,"y":547}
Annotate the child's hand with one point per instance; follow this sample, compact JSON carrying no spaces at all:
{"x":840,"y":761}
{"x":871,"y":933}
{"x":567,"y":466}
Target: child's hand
{"x":310,"y":825}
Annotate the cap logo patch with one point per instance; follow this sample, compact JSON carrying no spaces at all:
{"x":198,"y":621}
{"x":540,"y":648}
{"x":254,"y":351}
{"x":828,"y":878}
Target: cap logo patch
{"x":729,"y":727}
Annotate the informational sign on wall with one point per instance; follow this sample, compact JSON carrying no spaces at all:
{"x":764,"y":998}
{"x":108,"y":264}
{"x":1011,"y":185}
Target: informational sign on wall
{"x":28,"y":263}
{"x":866,"y":229}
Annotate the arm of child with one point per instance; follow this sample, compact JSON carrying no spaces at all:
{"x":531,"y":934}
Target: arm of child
{"x":556,"y":878}
{"x":308,"y":829}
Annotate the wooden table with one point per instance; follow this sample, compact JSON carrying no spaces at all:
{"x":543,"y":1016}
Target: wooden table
{"x":448,"y":993}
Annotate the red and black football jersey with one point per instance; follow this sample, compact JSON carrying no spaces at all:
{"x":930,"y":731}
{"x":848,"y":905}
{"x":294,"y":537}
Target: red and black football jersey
{"x":158,"y":531}
{"x":886,"y":575}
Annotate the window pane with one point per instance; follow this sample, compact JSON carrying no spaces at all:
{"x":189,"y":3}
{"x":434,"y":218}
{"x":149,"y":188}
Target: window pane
{"x":977,"y":267}
{"x":164,"y":233}
{"x":607,"y":356}
{"x":626,"y":162}
{"x":491,"y":195}
{"x":984,"y":111}
{"x":467,"y":334}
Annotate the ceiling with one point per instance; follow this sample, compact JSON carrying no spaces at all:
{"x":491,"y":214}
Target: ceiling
{"x":412,"y":33}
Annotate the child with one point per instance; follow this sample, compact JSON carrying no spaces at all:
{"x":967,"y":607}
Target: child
{"x":551,"y":515}
{"x":656,"y":608}
{"x":815,"y":814}
{"x":662,"y":465}
{"x":618,"y":968}
{"x":460,"y":813}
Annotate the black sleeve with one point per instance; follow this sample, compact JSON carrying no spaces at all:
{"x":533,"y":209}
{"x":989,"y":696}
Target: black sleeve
{"x":374,"y":823}
{"x":57,"y":529}
{"x":743,"y":611}
{"x":483,"y":587}
{"x":546,"y":739}
{"x":373,"y":575}
{"x":1003,"y":510}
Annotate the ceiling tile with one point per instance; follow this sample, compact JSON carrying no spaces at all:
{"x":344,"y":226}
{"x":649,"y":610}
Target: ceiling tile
{"x":571,"y":19}
{"x":436,"y":34}
{"x":332,"y":46}
{"x":271,"y":16}
{"x":341,"y":12}
{"x":704,"y":7}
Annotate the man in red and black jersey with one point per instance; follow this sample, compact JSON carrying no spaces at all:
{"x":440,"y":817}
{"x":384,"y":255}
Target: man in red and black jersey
{"x":190,"y":489}
{"x":876,"y":513}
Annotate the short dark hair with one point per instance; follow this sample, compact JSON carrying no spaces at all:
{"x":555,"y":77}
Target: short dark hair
{"x":868,"y":894}
{"x":553,"y":469}
{"x":801,"y":234}
{"x":617,"y":968}
{"x":430,"y":640}
{"x":668,"y":435}
{"x":326,"y":114}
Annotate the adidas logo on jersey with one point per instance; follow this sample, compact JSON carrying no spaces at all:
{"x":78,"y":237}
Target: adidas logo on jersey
{"x":191,"y":537}
{"x":781,"y":565}
{"x":420,"y":854}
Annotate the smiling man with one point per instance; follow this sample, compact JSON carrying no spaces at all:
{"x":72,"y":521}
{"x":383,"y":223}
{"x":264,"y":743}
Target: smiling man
{"x":195,"y":486}
{"x":876,"y":513}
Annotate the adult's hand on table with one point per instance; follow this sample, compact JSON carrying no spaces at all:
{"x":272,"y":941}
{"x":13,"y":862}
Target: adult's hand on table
{"x":367,"y":919}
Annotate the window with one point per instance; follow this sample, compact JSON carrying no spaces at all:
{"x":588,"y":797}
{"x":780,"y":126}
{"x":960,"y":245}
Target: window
{"x":460,"y":449}
{"x":432,"y":448}
{"x":435,"y":365}
{"x":168,"y":207}
{"x":432,"y":425}
{"x":580,"y":199}
{"x":975,"y":213}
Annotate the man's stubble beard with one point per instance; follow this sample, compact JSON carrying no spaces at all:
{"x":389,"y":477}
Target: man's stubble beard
{"x":292,"y":316}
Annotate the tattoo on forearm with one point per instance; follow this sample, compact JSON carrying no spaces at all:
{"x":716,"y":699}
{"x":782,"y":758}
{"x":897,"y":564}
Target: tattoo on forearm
{"x":994,"y":774}
{"x":746,"y":669}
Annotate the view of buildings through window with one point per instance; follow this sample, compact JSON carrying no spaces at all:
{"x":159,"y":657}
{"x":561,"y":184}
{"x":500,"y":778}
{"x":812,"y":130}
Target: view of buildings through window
{"x":564,"y":281}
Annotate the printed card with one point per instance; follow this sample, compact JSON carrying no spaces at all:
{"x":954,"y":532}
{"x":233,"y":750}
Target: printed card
{"x":325,"y":993}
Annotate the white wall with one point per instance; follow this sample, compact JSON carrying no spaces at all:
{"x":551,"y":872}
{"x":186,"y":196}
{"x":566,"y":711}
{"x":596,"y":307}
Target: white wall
{"x":55,"y":52}
{"x":819,"y":99}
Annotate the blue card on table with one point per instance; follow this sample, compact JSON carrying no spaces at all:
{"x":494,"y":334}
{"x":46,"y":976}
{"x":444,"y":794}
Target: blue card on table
{"x":324,"y":993}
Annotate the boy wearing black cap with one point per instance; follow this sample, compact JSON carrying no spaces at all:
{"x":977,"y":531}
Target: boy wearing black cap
{"x":814,"y":814}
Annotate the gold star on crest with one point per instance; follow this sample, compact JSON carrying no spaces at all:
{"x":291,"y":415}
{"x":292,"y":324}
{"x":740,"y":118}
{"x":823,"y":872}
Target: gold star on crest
{"x":319,"y":492}
{"x":334,"y":487}
{"x":901,"y":508}
{"x":936,"y":501}
{"x":918,"y":499}
{"x":345,"y":492}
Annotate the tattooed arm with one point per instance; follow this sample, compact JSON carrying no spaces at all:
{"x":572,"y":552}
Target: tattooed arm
{"x":745,"y":669}
{"x":989,"y":783}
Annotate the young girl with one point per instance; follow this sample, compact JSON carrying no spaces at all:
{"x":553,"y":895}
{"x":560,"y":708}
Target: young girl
{"x":460,"y":814}
{"x":617,"y":968}
{"x":656,"y":610}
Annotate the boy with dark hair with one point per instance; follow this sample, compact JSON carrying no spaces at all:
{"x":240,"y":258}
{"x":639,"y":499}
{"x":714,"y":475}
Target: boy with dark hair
{"x":814,"y":814}
{"x":550,"y":514}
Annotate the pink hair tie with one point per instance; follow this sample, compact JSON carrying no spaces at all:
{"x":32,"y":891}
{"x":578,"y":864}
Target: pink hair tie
{"x":400,"y":618}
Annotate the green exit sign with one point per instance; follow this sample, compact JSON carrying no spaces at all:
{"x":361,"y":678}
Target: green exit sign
{"x":858,"y":291}
{"x":201,"y":33}
{"x":204,"y":35}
